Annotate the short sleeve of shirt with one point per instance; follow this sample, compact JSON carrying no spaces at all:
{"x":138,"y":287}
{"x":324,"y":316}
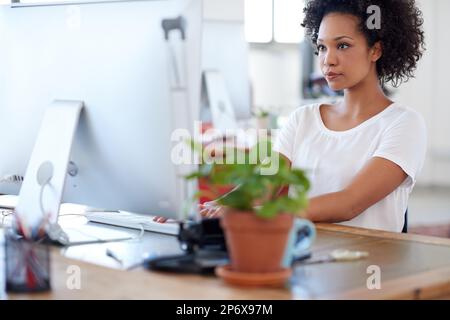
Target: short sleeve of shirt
{"x":405,"y":144}
{"x":285,"y":140}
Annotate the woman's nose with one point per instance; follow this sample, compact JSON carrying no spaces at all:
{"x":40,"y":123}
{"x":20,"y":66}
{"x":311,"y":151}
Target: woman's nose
{"x":330,"y":58}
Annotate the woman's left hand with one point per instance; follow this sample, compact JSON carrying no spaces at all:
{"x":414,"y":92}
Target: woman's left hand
{"x":210,"y":210}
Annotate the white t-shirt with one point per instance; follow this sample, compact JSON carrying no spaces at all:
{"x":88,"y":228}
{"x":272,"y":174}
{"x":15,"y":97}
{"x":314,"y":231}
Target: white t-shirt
{"x":333,"y":158}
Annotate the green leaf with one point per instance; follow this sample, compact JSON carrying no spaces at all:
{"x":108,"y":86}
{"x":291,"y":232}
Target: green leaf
{"x":268,"y":210}
{"x":237,"y":199}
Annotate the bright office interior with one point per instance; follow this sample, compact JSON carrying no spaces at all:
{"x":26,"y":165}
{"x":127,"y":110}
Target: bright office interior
{"x":269,"y":70}
{"x":279,"y":65}
{"x":277,"y":69}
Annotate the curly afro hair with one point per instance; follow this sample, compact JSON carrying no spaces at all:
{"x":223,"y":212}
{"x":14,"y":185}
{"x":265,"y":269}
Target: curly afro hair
{"x":401,"y":33}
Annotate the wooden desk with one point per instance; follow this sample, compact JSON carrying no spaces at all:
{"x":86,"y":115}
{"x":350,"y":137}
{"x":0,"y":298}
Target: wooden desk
{"x":412,"y":267}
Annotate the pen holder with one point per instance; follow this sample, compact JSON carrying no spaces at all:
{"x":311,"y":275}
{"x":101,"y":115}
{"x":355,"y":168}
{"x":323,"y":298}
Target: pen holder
{"x":27,"y":264}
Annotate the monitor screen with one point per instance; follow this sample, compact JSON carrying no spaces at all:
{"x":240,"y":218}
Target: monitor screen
{"x":114,"y":58}
{"x":229,"y":56}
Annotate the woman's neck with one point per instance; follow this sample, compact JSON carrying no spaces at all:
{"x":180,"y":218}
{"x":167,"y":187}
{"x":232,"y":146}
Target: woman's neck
{"x":364,"y":100}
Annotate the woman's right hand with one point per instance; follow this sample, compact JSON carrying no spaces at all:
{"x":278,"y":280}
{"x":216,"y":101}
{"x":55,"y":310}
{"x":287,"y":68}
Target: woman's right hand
{"x":207,"y":210}
{"x":160,"y":219}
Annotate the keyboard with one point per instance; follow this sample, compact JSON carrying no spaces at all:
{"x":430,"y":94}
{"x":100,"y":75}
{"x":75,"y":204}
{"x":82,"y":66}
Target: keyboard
{"x":134,"y":221}
{"x":8,"y":202}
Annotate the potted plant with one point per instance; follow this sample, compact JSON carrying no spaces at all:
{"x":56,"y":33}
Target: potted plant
{"x":256,"y":218}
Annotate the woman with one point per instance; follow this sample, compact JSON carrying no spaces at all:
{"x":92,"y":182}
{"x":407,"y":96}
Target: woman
{"x":362,"y":154}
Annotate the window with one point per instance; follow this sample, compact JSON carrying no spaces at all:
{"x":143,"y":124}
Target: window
{"x":274,"y":20}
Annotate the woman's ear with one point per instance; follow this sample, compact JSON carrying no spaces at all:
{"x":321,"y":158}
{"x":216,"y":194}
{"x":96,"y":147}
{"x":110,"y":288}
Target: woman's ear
{"x":376,"y":51}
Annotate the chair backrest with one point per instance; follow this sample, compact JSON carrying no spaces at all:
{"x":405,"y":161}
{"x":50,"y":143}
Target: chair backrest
{"x":405,"y":225}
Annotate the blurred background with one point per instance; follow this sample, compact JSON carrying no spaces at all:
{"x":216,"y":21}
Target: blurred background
{"x":269,"y":69}
{"x":284,"y":74}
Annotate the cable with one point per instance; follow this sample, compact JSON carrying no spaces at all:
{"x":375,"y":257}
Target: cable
{"x":41,"y":202}
{"x":72,"y":214}
{"x":5,"y":213}
{"x":140,"y":235}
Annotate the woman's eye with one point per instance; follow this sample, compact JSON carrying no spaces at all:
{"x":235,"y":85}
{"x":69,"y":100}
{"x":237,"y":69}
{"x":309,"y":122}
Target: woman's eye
{"x":343,"y":46}
{"x":320,"y":48}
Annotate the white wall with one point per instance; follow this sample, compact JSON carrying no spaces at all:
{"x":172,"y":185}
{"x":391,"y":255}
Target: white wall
{"x":440,"y":113}
{"x":275,"y":75}
{"x":428,"y":92}
{"x":274,"y":70}
{"x":223,"y":10}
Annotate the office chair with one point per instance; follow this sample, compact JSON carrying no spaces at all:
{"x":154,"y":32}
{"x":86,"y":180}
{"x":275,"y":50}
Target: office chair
{"x":405,"y":226}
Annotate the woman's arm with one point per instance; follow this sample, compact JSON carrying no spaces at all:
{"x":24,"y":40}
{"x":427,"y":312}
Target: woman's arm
{"x":374,"y":182}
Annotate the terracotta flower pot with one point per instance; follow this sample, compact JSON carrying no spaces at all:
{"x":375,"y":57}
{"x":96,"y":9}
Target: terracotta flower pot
{"x":255,"y":244}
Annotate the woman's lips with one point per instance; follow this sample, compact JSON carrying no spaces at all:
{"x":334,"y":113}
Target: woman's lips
{"x":331,"y":76}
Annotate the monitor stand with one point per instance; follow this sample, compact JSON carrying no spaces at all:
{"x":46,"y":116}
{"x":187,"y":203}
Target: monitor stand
{"x":41,"y":192}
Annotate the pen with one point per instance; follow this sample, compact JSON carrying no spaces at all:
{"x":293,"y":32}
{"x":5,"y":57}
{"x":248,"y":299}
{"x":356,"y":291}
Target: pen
{"x":112,"y":255}
{"x":338,"y":255}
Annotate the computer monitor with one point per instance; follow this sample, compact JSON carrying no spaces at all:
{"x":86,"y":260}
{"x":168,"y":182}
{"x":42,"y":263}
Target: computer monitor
{"x":114,"y":58}
{"x":229,"y":56}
